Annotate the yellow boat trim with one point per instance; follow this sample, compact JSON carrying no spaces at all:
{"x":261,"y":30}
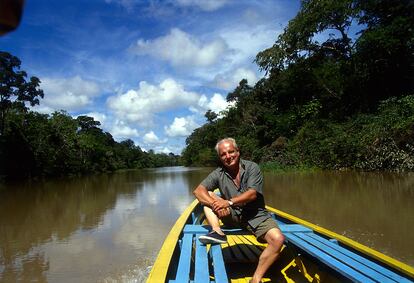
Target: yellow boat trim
{"x":405,"y":268}
{"x":159,"y":270}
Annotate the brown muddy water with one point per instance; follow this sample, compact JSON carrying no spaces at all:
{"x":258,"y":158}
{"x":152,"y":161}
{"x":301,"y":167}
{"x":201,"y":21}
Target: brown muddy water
{"x":110,"y":227}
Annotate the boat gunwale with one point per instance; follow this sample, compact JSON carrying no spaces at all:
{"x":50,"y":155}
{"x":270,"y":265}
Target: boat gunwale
{"x":396,"y":264}
{"x":161,"y":265}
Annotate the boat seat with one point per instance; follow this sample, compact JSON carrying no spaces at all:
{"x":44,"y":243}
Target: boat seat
{"x":195,"y":258}
{"x":204,"y":257}
{"x":249,"y":251}
{"x":347,"y":263}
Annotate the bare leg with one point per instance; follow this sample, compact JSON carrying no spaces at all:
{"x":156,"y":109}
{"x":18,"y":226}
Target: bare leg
{"x":212,"y":218}
{"x":274,"y":239}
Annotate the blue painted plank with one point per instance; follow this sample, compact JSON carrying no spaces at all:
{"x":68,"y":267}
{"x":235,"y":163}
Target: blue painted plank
{"x":327,"y":259}
{"x":362,"y":260}
{"x":203,"y":229}
{"x":201,"y":263}
{"x":372,"y":273}
{"x":286,"y":228}
{"x":335,"y":241}
{"x":195,"y":229}
{"x":183,"y":270}
{"x":220,"y":273}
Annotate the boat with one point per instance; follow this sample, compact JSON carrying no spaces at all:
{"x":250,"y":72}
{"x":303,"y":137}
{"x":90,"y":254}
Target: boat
{"x":310,"y":254}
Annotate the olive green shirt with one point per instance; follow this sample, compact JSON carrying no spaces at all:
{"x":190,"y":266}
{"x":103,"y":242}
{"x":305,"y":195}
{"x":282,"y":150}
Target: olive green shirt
{"x":251,"y":177}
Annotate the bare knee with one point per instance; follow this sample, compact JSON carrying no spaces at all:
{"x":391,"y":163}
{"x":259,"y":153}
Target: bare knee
{"x":207,"y":209}
{"x":275,"y":238}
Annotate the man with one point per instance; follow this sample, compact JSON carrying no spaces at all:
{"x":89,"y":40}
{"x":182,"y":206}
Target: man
{"x":241,"y":204}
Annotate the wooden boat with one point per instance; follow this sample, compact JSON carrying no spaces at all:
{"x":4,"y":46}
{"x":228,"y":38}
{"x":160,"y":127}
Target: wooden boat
{"x":310,"y":254}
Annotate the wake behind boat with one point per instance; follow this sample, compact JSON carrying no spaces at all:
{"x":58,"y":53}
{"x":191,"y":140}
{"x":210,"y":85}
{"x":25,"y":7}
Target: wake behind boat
{"x":310,"y":254}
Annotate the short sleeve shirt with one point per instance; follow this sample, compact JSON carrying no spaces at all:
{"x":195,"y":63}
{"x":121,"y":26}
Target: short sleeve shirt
{"x":251,"y":177}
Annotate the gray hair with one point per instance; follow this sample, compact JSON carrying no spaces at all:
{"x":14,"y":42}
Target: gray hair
{"x":230,"y":140}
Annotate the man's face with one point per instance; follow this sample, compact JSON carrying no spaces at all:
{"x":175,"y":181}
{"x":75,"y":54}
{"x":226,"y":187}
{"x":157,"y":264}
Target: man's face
{"x":229,"y":155}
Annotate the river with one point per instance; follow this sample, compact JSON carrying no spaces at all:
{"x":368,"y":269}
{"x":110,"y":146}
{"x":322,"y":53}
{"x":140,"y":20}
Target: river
{"x":110,"y":227}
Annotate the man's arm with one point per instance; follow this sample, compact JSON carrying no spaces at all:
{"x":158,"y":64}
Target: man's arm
{"x":240,"y":200}
{"x":246,"y":197}
{"x":203,"y":196}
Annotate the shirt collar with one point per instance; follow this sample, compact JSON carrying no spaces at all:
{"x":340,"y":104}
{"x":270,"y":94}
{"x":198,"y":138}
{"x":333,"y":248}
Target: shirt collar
{"x":242,"y":164}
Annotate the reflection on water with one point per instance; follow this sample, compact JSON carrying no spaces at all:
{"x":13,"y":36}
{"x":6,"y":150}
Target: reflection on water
{"x":110,"y":227}
{"x":97,"y":229}
{"x":375,"y":209}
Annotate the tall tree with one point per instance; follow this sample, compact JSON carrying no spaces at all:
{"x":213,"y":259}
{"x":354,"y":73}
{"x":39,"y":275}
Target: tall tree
{"x":86,"y":123}
{"x":384,"y":60}
{"x":299,"y":39}
{"x":15,"y":89}
{"x":211,"y":116}
{"x":335,"y":60}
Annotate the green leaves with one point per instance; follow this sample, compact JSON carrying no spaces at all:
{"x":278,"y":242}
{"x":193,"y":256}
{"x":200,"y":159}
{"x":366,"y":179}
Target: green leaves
{"x":299,"y":39}
{"x":334,"y":64}
{"x":15,"y":91}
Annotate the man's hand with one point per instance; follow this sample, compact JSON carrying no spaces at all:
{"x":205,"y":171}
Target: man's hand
{"x":223,"y":212}
{"x":219,"y":204}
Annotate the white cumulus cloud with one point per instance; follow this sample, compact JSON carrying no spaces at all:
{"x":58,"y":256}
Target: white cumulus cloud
{"x":152,"y":139}
{"x":121,"y":131}
{"x":181,"y":127}
{"x":216,"y":103}
{"x":181,"y":49}
{"x":230,"y":80}
{"x":142,"y":104}
{"x":247,"y":41}
{"x":69,"y":94}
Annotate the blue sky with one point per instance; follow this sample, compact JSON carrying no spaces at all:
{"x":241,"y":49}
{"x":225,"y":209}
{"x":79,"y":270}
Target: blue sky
{"x":147,"y":70}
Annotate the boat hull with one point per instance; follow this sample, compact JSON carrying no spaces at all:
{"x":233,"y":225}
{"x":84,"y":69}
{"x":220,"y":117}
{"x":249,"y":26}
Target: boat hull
{"x":310,"y":254}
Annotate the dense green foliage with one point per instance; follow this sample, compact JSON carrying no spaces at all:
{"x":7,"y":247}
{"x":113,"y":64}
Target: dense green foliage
{"x":34,"y":144}
{"x":338,"y":92}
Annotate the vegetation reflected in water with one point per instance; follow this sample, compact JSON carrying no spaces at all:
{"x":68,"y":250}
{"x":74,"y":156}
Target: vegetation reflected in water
{"x":374,"y":209}
{"x":110,"y":227}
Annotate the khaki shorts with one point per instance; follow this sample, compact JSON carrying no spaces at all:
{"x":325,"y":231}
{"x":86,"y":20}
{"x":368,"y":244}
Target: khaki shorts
{"x":259,"y":232}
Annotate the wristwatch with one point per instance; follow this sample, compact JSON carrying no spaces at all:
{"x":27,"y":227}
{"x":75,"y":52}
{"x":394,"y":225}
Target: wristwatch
{"x":230,"y":202}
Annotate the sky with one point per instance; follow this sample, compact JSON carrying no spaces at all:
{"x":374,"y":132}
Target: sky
{"x":147,"y":70}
